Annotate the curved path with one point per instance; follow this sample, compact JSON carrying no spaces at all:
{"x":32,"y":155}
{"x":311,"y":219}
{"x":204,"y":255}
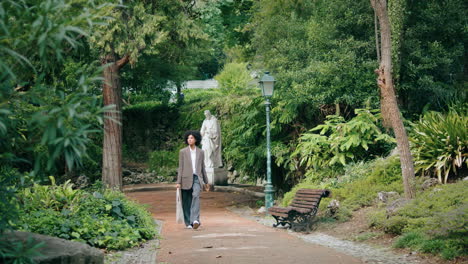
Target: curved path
{"x":225,"y":237}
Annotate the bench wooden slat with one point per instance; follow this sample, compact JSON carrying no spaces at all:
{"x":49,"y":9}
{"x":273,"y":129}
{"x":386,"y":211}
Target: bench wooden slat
{"x":305,"y":204}
{"x":313,"y":199}
{"x":279,"y":209}
{"x":306,"y":200}
{"x":308,"y":196}
{"x":307,"y":191}
{"x":279,"y":214}
{"x":302,"y":210}
{"x":324,"y":193}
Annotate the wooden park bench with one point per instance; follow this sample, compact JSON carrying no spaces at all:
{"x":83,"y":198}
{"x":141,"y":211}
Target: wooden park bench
{"x":300,"y":213}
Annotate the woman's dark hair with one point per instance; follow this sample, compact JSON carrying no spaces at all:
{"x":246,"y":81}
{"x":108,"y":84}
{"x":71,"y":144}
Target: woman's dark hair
{"x":195,"y":134}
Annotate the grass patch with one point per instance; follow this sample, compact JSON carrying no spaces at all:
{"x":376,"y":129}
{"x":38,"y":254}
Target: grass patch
{"x":448,"y":248}
{"x":434,"y":222}
{"x":410,"y":240}
{"x":367,"y":235}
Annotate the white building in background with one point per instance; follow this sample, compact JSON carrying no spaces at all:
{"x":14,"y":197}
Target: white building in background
{"x":192,"y":84}
{"x":197,"y":84}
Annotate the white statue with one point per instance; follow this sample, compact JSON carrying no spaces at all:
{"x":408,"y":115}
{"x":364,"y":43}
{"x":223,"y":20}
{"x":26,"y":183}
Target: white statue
{"x":211,"y":141}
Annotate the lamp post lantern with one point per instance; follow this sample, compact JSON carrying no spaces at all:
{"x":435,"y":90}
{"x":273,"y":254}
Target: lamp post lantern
{"x":267,"y":84}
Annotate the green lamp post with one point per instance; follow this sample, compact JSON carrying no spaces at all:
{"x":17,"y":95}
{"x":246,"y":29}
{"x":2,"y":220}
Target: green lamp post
{"x":267,"y":84}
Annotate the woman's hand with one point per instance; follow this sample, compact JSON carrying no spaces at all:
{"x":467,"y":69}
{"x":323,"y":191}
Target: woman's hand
{"x":207,"y":187}
{"x":178,"y":186}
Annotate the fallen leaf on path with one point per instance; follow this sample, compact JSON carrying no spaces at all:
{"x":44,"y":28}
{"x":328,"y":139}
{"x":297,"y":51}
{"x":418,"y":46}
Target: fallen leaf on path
{"x":208,"y":247}
{"x":219,"y":256}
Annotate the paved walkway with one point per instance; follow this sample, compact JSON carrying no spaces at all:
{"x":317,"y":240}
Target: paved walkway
{"x":225,"y":237}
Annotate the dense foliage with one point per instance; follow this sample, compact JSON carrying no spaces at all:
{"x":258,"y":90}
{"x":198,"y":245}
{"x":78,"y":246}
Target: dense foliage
{"x":234,"y":78}
{"x":103,"y":218}
{"x":440,"y":143}
{"x":48,"y":112}
{"x":432,"y":55}
{"x":339,"y":142}
{"x":322,"y":54}
{"x":149,"y":126}
{"x":164,"y":163}
{"x":45,"y":124}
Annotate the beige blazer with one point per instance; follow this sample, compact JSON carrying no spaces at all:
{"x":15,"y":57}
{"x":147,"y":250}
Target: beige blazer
{"x":185,"y":172}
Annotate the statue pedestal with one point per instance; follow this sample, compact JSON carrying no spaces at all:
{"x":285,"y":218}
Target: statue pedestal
{"x":217,"y":176}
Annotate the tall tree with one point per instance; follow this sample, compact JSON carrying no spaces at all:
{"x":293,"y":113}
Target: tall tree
{"x":131,"y":29}
{"x":432,"y":53}
{"x":138,"y":27}
{"x":390,"y":111}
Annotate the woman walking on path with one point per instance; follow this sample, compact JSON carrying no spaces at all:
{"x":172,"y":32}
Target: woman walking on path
{"x":191,"y":178}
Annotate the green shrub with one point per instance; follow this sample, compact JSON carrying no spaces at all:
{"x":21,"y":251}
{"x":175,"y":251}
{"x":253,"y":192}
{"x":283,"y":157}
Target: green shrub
{"x":395,"y":225}
{"x":8,"y":202}
{"x":440,"y":211}
{"x":443,"y":210}
{"x":454,"y":248}
{"x":92,"y":164}
{"x":353,"y":172}
{"x":377,"y":218}
{"x":448,"y":248}
{"x":234,"y":78}
{"x":432,"y":246}
{"x":433,"y":222}
{"x":449,"y":253}
{"x":440,"y":143}
{"x":452,"y":222}
{"x":104,"y":219}
{"x":386,"y":171}
{"x":164,"y":163}
{"x":357,"y":187}
{"x":410,"y":240}
{"x":363,"y":192}
{"x":148,"y":126}
{"x":338,"y":141}
{"x":344,"y":213}
{"x":19,"y":252}
{"x":260,"y":203}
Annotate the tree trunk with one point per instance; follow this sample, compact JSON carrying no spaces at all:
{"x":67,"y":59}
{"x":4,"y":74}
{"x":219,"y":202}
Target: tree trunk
{"x":112,"y":146}
{"x":389,"y":101}
{"x":179,"y":92}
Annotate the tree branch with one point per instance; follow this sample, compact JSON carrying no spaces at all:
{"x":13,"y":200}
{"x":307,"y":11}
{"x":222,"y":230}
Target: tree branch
{"x":123,"y":61}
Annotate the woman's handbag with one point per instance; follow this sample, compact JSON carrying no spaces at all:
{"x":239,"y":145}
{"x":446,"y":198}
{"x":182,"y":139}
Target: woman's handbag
{"x":179,"y":210}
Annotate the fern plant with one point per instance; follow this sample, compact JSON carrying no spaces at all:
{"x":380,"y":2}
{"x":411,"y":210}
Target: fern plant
{"x":339,"y":142}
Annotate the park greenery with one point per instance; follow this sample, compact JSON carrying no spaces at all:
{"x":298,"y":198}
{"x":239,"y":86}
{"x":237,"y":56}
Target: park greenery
{"x":70,"y":68}
{"x":100,"y":217}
